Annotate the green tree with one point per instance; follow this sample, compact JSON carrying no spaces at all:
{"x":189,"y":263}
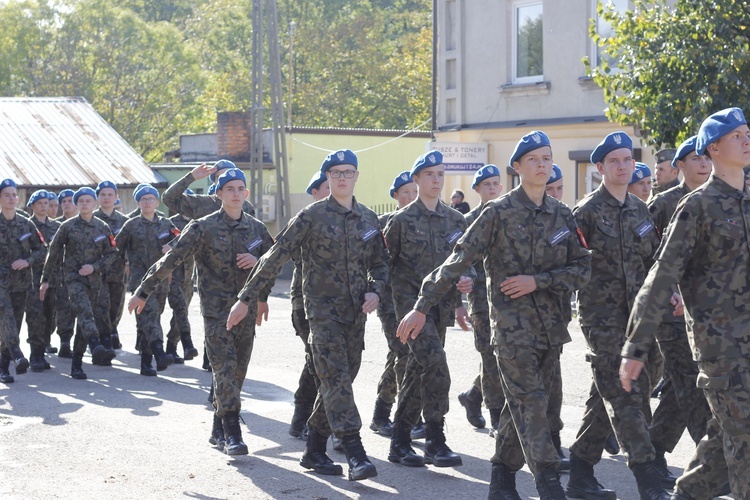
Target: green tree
{"x":676,"y":65}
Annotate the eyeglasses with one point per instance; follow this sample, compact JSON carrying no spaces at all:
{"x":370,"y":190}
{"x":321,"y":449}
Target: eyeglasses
{"x":347,"y":174}
{"x":148,"y":199}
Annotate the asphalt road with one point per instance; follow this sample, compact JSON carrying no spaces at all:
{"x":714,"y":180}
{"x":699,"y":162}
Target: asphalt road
{"x":121,"y":435}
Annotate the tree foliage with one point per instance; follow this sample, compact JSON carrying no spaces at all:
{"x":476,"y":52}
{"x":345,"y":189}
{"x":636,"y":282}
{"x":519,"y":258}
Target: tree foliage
{"x":677,"y":64}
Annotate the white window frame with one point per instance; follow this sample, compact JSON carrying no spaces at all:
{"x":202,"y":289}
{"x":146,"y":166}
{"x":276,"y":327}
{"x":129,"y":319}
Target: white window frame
{"x":525,"y":79}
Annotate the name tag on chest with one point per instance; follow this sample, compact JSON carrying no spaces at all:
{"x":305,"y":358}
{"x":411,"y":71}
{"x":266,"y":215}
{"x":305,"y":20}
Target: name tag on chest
{"x":454,"y":236}
{"x":643,"y":228}
{"x":24,"y":236}
{"x":99,"y":238}
{"x":165,"y":234}
{"x":368,"y":233}
{"x":559,"y":235}
{"x":254,"y":244}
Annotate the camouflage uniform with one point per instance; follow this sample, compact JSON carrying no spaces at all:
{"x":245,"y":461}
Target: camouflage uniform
{"x":65,"y":319}
{"x":180,"y":292}
{"x":682,"y":403}
{"x":419,"y":240}
{"x":19,"y":239}
{"x":343,"y":257}
{"x":194,"y":206}
{"x":40,"y":315}
{"x":112,"y":295}
{"x":705,"y":251}
{"x":214,"y":241}
{"x":657,"y":190}
{"x":79,"y":242}
{"x":515,"y":237}
{"x":623,"y":240}
{"x":140,"y":241}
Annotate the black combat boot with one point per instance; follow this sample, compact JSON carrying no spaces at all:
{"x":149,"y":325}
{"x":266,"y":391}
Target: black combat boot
{"x":76,"y":367}
{"x":5,"y":376}
{"x":503,"y":484}
{"x":22,"y":364}
{"x":381,"y":418}
{"x":100,"y":355}
{"x":298,"y":427}
{"x":188,"y":349}
{"x":360,"y":466}
{"x":50,"y":350}
{"x":65,"y":351}
{"x":217,"y":432}
{"x":611,"y":445}
{"x":471,"y":400}
{"x":115,"y":338}
{"x":649,"y":481}
{"x":436,"y":452}
{"x":315,"y":457}
{"x":206,"y":363}
{"x":163,"y":360}
{"x":401,"y":451}
{"x":494,"y":421}
{"x":548,"y":485}
{"x":233,"y":434}
{"x":172,"y":351}
{"x":36,"y":359}
{"x":583,"y":484}
{"x":666,"y":478}
{"x":417,"y":432}
{"x":564,"y":461}
{"x":147,"y":368}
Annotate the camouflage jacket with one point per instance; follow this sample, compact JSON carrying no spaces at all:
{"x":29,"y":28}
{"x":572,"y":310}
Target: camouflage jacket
{"x":140,"y":241}
{"x":419,"y":240}
{"x":343,"y":257}
{"x":116,"y":272}
{"x":385,"y":306}
{"x":214,"y":241}
{"x":19,"y":239}
{"x":76,"y":244}
{"x":515,"y":237}
{"x":622,"y":240}
{"x":47,"y":229}
{"x":657,"y":190}
{"x":184,"y":272}
{"x":478,"y":301}
{"x":707,"y":252}
{"x":195,"y":206}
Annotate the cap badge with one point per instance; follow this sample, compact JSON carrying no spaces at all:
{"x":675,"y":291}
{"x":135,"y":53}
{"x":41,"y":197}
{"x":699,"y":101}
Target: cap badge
{"x":617,"y":138}
{"x":431,"y":158}
{"x":404,"y":176}
{"x":340,"y":155}
{"x":536,"y":138}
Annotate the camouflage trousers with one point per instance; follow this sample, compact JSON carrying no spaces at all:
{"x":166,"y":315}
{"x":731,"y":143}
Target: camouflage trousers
{"x":524,"y":431}
{"x":427,"y":379}
{"x":111,"y":303}
{"x":725,"y":451}
{"x":395,"y":361}
{"x":65,"y":318}
{"x":337,"y":354}
{"x":683,"y":404}
{"x":609,"y":407}
{"x":12,"y":305}
{"x":229,"y":352}
{"x":307,"y":388}
{"x":148,"y":322}
{"x":488,"y":379}
{"x":179,"y":296}
{"x":40,"y":316}
{"x":83,"y":299}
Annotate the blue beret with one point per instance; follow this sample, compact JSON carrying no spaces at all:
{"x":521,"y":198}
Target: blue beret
{"x":340,"y":157}
{"x":221,"y":165}
{"x":40,"y":194}
{"x":485,"y":172}
{"x":718,"y":125}
{"x":118,"y":201}
{"x":401,"y":180}
{"x":211,"y":189}
{"x":556,"y":174}
{"x":7,"y":183}
{"x":144,"y":190}
{"x":316,"y":180}
{"x":427,"y":160}
{"x":105,"y":184}
{"x":615,"y":140}
{"x":189,"y":191}
{"x":641,"y":172}
{"x":531,"y":141}
{"x":65,"y":193}
{"x":51,"y":195}
{"x":85,"y":190}
{"x":687,"y":147}
{"x":233,"y":174}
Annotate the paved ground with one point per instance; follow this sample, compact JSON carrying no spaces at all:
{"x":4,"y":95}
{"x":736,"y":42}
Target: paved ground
{"x":121,"y":435}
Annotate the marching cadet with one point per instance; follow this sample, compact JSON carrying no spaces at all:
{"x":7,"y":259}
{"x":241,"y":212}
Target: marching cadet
{"x":195,"y":206}
{"x":640,"y":182}
{"x":64,"y":317}
{"x":404,"y":192}
{"x":83,"y":247}
{"x":112,"y":299}
{"x":419,"y":238}
{"x":68,"y":207}
{"x":532,"y":258}
{"x":621,"y":235}
{"x":683,"y":404}
{"x":705,"y":252}
{"x":307,"y":389}
{"x":21,"y":246}
{"x":487,"y":384}
{"x":40,"y":315}
{"x":142,"y":241}
{"x":226,"y":245}
{"x":665,"y":173}
{"x":344,"y":272}
{"x":52,"y":206}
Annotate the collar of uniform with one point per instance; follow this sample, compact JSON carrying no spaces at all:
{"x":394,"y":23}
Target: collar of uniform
{"x":233,"y":222}
{"x":338,"y":207}
{"x":441,"y":210}
{"x":155,"y":220}
{"x":725,"y":188}
{"x":84,"y":221}
{"x":519,"y":196}
{"x":611,"y":200}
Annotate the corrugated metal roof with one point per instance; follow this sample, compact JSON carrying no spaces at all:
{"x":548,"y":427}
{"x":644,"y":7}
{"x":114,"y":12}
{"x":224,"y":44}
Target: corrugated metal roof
{"x":62,"y":141}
